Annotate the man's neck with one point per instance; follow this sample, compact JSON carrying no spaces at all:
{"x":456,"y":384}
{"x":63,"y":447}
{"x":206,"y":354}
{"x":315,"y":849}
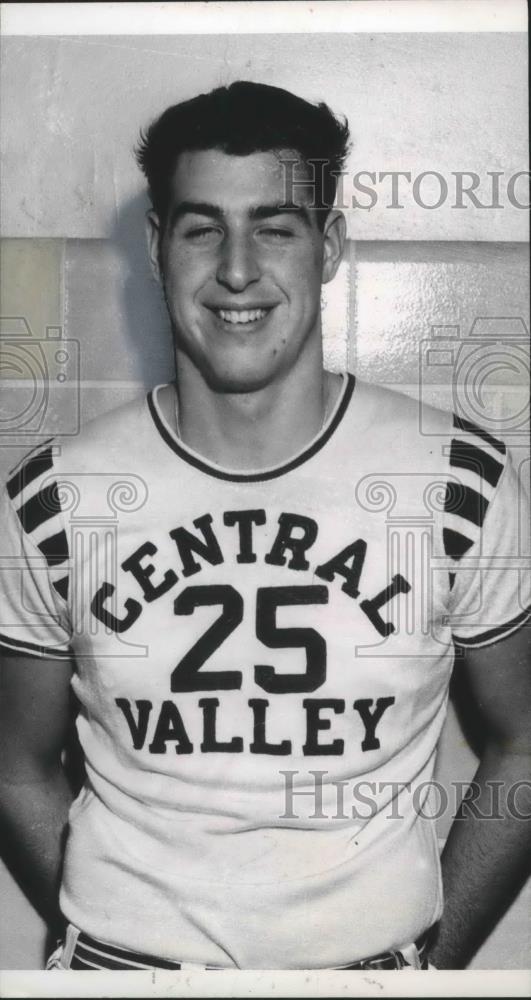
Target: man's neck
{"x":253,"y":430}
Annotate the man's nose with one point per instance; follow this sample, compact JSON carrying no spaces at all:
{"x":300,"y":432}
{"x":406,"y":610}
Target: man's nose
{"x":237,"y":265}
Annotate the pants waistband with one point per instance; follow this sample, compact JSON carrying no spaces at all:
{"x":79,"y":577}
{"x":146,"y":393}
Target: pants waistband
{"x":411,"y":956}
{"x":83,"y":952}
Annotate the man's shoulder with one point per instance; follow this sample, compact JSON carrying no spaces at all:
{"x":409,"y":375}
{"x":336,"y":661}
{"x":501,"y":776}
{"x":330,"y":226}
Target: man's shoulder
{"x":387,"y":408}
{"x":107,"y":442}
{"x":111,"y":439}
{"x":405,"y":432}
{"x":117,"y":421}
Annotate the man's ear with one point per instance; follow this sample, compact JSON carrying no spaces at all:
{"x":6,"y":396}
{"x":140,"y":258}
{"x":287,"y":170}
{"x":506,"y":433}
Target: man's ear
{"x":334,"y":234}
{"x":154,"y":236}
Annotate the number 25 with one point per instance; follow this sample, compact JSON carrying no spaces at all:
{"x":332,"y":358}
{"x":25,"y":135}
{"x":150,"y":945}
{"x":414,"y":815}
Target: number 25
{"x":188,"y":676}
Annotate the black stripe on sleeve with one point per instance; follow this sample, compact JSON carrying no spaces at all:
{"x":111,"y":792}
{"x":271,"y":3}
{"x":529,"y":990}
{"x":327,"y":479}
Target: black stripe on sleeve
{"x":494,"y":634}
{"x":469,"y":428}
{"x":464,"y":455}
{"x":20,"y":646}
{"x":55,"y":548}
{"x":40,"y":508}
{"x":465,"y":502}
{"x":61,"y":586}
{"x":34,"y":467}
{"x":456,"y":544}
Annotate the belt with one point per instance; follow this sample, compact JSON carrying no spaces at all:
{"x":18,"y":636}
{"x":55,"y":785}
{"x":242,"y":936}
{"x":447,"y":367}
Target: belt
{"x":411,"y":956}
{"x":90,"y":954}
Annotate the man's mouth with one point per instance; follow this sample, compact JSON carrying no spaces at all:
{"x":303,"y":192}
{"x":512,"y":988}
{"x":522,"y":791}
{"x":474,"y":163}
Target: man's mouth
{"x":240,"y":317}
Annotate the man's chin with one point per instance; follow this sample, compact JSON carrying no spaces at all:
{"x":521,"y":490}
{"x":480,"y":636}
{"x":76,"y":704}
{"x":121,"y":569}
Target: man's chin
{"x":237,"y":380}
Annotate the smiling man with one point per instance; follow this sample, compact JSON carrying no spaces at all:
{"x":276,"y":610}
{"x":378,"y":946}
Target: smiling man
{"x":261,"y":665}
{"x":242,"y":280}
{"x":242,"y":261}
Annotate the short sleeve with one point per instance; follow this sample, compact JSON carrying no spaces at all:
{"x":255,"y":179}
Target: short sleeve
{"x":490,"y":597}
{"x":34,"y":616}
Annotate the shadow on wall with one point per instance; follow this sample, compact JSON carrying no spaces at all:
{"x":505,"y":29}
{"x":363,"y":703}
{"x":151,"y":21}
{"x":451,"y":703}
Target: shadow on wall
{"x":145,"y":319}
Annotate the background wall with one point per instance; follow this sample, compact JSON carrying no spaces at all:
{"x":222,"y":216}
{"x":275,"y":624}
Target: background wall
{"x":83,"y":328}
{"x":424,"y":102}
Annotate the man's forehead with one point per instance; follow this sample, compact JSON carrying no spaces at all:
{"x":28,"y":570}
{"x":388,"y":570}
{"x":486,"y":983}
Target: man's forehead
{"x":258,"y":178}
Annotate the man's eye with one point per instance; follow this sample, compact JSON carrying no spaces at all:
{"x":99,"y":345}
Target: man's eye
{"x":200,"y":233}
{"x":277,"y":232}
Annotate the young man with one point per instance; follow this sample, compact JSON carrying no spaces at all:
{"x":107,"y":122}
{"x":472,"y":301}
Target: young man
{"x":261,"y":664}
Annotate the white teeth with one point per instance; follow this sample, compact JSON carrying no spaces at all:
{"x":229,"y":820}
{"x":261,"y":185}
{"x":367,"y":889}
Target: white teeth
{"x":241,"y":315}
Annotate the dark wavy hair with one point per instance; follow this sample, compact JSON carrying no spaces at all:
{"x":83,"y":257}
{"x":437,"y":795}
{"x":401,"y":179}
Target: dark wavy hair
{"x":240,"y":119}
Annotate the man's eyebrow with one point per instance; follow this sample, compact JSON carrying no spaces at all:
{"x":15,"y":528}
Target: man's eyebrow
{"x":195,"y":208}
{"x":183,"y":208}
{"x":282,"y":208}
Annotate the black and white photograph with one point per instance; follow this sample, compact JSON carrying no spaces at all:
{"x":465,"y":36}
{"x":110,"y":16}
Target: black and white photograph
{"x":265,"y":554}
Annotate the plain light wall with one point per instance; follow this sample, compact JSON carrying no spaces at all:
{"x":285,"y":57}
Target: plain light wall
{"x":74,"y":259}
{"x":72,"y":108}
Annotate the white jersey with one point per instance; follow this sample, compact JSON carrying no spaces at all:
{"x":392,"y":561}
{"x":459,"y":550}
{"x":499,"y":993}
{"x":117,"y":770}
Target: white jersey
{"x":262,"y":664}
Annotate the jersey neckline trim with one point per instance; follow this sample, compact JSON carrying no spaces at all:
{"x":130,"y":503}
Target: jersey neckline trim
{"x":193,"y":458}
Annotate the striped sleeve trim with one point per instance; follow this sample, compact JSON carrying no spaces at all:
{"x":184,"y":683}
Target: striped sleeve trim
{"x":466,"y":503}
{"x":455,"y":543}
{"x":476,"y":463}
{"x":34,"y":494}
{"x":61,"y":586}
{"x":39,"y":508}
{"x":465,"y":455}
{"x":18,"y":646}
{"x":494,"y":635}
{"x":32,"y":466}
{"x":460,"y":424}
{"x":55,"y":548}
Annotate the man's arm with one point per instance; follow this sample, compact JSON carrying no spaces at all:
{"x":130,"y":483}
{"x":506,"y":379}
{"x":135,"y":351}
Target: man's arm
{"x":485,"y":860}
{"x":34,"y":793}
